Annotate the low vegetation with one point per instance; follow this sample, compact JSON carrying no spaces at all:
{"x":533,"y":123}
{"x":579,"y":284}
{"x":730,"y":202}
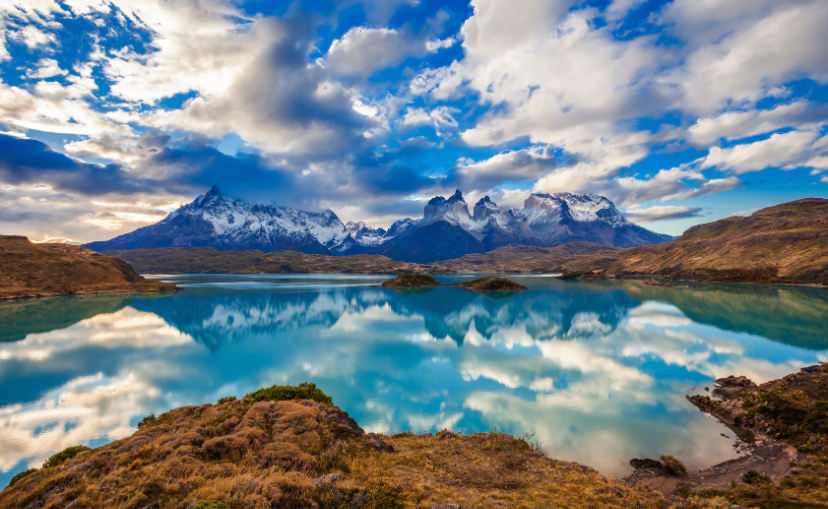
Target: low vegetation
{"x":40,"y":270}
{"x":793,"y":409}
{"x":486,"y":284}
{"x":411,"y":281}
{"x":258,"y":452}
{"x":492,"y":284}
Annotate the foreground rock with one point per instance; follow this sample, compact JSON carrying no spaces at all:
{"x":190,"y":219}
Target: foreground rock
{"x":41,"y":270}
{"x":290,"y":447}
{"x":782,"y":244}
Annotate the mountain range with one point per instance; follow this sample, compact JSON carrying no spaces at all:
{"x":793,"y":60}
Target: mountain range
{"x":447,"y":229}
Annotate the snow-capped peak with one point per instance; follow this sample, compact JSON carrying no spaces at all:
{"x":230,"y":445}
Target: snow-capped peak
{"x":580,"y":207}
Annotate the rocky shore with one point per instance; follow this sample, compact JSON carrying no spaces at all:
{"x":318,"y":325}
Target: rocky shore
{"x":780,"y":430}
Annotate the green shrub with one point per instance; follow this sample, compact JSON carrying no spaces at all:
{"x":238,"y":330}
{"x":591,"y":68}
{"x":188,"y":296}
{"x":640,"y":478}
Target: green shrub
{"x":289,"y":392}
{"x":21,"y":475}
{"x":64,"y":455}
{"x":147,"y":421}
{"x":226,"y":399}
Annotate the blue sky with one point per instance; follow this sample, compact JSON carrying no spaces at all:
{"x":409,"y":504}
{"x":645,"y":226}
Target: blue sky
{"x":115,"y":112}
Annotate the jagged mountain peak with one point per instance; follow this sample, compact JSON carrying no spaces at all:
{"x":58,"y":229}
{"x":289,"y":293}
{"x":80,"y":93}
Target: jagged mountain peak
{"x":486,"y":202}
{"x":446,"y":229}
{"x":456,"y":197}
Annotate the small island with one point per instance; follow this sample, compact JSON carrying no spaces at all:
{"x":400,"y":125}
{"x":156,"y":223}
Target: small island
{"x":486,"y":284}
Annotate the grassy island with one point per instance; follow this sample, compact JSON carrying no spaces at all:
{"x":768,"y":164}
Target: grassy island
{"x":486,"y":284}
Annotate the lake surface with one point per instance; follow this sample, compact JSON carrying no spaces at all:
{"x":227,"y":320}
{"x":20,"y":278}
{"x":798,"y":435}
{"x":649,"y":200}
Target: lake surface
{"x":597,"y":370}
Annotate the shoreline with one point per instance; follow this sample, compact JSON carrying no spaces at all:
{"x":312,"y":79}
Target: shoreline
{"x":289,"y":446}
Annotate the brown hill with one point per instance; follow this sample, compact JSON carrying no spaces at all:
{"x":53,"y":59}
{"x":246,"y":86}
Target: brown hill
{"x":786,"y":243}
{"x":40,"y":270}
{"x":289,"y":447}
{"x":517,"y":258}
{"x":206,"y":260}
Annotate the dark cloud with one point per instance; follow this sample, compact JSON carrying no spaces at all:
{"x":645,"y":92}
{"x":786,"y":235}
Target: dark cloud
{"x":31,"y":162}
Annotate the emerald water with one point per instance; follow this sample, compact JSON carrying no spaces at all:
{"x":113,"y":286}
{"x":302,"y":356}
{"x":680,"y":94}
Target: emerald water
{"x":597,"y":371}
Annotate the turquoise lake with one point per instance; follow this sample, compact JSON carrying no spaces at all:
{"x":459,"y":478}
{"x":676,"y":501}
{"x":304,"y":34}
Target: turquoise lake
{"x":597,"y":371}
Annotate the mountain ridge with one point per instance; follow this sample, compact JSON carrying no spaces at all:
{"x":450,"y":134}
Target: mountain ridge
{"x":447,"y":229}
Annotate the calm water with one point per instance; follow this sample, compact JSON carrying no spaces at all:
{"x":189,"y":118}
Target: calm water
{"x":597,"y":371}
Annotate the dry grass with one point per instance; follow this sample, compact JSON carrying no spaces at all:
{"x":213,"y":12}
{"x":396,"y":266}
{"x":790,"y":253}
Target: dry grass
{"x":787,"y":243}
{"x":39,"y":270}
{"x":266,"y":454}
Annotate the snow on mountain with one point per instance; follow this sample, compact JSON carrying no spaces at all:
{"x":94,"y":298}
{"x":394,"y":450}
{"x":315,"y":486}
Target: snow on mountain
{"x":365,"y":235}
{"x":446,"y":229}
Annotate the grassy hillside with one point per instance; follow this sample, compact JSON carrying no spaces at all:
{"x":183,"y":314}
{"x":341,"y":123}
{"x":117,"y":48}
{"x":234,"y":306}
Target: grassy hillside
{"x":786,"y":243}
{"x":289,"y":447}
{"x":40,"y":270}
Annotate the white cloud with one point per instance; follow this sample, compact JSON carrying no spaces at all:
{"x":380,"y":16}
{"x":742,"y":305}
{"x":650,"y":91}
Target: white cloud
{"x":362,"y":51}
{"x":55,"y":108}
{"x":752,"y":61}
{"x":786,"y":150}
{"x":662,"y":213}
{"x":734,"y":125}
{"x":46,"y":68}
{"x":32,"y":37}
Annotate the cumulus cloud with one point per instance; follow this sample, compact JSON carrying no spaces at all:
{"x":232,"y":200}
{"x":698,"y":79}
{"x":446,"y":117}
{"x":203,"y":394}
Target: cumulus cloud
{"x":734,"y":125}
{"x":362,"y":51}
{"x":662,"y":213}
{"x":785,"y":150}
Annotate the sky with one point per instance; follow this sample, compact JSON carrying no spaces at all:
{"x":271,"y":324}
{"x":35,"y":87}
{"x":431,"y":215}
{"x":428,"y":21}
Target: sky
{"x":114,"y":113}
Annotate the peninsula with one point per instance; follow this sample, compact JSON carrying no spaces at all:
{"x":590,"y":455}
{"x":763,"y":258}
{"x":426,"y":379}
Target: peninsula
{"x":41,"y":270}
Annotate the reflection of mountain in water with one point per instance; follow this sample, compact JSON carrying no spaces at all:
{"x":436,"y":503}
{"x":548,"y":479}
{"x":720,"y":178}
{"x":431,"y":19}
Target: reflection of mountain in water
{"x":566,"y":312}
{"x":22,"y":317}
{"x":215,"y":318}
{"x":794,"y":316}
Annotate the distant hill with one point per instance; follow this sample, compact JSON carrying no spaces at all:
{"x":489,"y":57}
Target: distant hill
{"x":570,"y":257}
{"x":447,"y":229}
{"x":206,"y":260}
{"x":787,"y":243}
{"x":515,"y":258}
{"x":40,"y":270}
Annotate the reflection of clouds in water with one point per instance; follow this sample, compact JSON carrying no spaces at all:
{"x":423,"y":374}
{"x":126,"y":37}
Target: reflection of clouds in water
{"x":124,"y":328}
{"x":78,"y":412}
{"x":606,"y":438}
{"x":599,"y":377}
